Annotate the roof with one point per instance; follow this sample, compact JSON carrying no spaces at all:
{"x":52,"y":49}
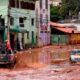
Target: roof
{"x":56,"y":24}
{"x":61,"y":27}
{"x":68,"y":30}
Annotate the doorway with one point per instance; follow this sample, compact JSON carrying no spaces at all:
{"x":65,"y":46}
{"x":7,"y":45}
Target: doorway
{"x":12,"y":41}
{"x":1,"y":36}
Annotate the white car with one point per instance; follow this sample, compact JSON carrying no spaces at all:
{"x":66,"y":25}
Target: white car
{"x":75,"y":56}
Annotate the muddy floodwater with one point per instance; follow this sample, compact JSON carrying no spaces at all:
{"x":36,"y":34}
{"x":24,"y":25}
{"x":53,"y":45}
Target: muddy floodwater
{"x":47,"y":63}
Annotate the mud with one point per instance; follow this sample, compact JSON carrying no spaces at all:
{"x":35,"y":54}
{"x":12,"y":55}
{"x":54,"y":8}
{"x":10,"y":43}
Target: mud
{"x":46,"y":63}
{"x":40,"y":57}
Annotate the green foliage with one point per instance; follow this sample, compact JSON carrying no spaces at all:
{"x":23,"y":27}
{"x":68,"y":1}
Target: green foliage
{"x":54,"y":13}
{"x":69,"y":7}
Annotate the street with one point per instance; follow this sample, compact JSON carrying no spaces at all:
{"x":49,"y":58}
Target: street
{"x":51,"y":72}
{"x":37,"y":66}
{"x":39,"y":39}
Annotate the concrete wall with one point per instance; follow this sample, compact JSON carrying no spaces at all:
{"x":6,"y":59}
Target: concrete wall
{"x":43,"y":12}
{"x":4,"y":9}
{"x":16,"y":13}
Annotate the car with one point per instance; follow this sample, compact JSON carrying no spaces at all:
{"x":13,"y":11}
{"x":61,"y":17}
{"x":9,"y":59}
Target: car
{"x":7,"y":57}
{"x":75,"y":56}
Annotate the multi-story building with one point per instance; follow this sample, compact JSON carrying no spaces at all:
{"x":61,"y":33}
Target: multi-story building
{"x":43,"y":18}
{"x":19,"y":16}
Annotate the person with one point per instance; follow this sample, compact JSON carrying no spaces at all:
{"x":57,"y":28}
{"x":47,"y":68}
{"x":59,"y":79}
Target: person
{"x":8,"y":48}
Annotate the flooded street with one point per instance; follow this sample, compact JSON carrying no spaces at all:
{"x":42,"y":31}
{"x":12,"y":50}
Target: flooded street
{"x":46,"y":63}
{"x":50,"y":72}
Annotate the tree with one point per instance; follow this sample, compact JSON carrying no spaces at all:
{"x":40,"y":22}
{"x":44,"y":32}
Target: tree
{"x":69,"y":7}
{"x":54,"y":13}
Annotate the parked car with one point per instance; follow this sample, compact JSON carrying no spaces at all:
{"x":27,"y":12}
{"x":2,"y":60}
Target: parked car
{"x":7,"y":56}
{"x":75,"y":56}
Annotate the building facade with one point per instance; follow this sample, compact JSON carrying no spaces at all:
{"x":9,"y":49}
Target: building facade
{"x":20,"y":17}
{"x":43,"y":18}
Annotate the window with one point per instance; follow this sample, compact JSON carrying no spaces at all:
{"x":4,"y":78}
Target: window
{"x":11,"y":21}
{"x":32,"y":33}
{"x":27,"y":5}
{"x":46,"y":4}
{"x":23,"y":38}
{"x":32,"y":37}
{"x":41,"y":16}
{"x":46,"y":19}
{"x":2,"y":22}
{"x":17,"y":3}
{"x":32,"y":21}
{"x":21,"y":21}
{"x":27,"y":34}
{"x":40,"y":3}
{"x":14,"y":3}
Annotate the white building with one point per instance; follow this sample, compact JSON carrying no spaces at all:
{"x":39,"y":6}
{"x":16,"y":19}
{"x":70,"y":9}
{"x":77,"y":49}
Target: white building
{"x":22,"y":21}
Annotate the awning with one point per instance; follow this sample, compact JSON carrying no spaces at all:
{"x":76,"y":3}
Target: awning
{"x":18,"y":30}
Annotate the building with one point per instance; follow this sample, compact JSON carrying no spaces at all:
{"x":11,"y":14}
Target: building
{"x":75,"y":22}
{"x":43,"y":18}
{"x":64,"y":35}
{"x":55,"y":2}
{"x":19,"y":16}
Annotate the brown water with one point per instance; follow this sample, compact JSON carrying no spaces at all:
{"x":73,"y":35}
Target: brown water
{"x":39,"y":64}
{"x":40,"y":57}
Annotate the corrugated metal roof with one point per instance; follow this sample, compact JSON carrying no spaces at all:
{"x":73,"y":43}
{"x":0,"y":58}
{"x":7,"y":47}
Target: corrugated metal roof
{"x":68,"y":30}
{"x":62,"y":28}
{"x":56,"y":24}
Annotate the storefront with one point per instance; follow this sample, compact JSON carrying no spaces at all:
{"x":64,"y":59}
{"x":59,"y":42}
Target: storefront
{"x":15,"y":40}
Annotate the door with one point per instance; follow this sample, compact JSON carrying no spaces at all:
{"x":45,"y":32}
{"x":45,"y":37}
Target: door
{"x":32,"y":37}
{"x":12,"y":40}
{"x":1,"y":35}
